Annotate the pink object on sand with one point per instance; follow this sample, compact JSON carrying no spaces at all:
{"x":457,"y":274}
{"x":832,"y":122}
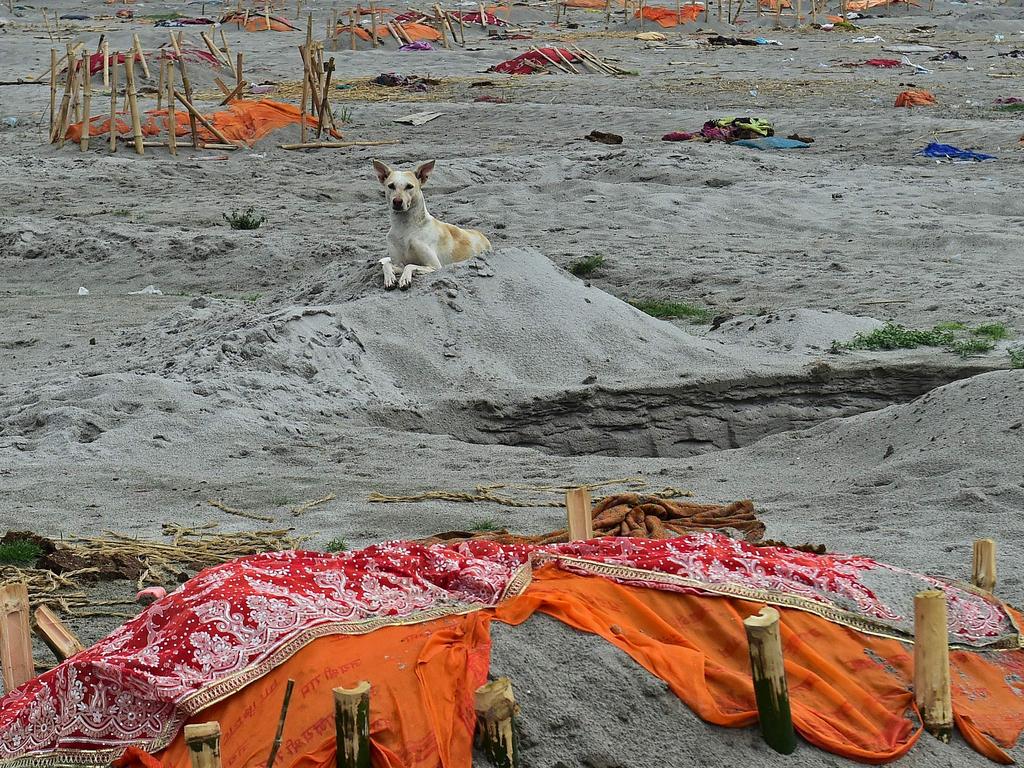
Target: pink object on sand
{"x":150,"y":595}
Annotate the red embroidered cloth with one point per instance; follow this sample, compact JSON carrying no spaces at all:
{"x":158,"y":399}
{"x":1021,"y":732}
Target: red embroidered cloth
{"x":232,"y":623}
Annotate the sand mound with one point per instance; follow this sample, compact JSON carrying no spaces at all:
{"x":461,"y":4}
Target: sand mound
{"x":794,"y":330}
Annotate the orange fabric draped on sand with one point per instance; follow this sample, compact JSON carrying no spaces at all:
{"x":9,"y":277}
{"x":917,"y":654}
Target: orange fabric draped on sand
{"x":850,"y":693}
{"x":246,"y":121}
{"x":667,"y":17}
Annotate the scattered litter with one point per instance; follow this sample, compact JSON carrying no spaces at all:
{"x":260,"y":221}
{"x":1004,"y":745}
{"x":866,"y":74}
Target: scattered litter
{"x":83,"y":291}
{"x":185,"y":22}
{"x":149,"y":290}
{"x":949,"y":152}
{"x":419,"y":45}
{"x":150,"y":595}
{"x":652,"y":37}
{"x":948,"y":56}
{"x":726,"y":129}
{"x":419,"y":118}
{"x":875,"y":39}
{"x":1014,"y":54}
{"x":772,"y":142}
{"x":9,"y":122}
{"x":603,"y":138}
{"x":909,"y":48}
{"x":915,"y":97}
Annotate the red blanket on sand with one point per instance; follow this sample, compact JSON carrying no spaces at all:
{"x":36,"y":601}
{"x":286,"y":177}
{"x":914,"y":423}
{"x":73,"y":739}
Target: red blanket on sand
{"x":233,"y":623}
{"x":532,"y":61}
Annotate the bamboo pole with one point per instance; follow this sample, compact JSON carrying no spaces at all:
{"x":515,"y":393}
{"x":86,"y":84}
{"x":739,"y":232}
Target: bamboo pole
{"x":352,"y":726}
{"x":496,"y":709}
{"x":133,"y":103}
{"x":113,"y":104}
{"x":142,"y":57}
{"x":55,"y":634}
{"x":931,"y":663}
{"x":325,"y":106}
{"x":462,"y":29}
{"x":83,"y":143}
{"x":172,"y":118}
{"x":65,"y":102}
{"x":983,"y":569}
{"x":227,"y":47}
{"x":305,"y":97}
{"x":336,"y":144}
{"x":53,"y":88}
{"x":578,"y":510}
{"x":106,"y":64}
{"x":769,"y":674}
{"x":203,"y":742}
{"x":186,"y":85}
{"x":202,"y":120}
{"x":441,"y":28}
{"x":238,"y":69}
{"x":160,"y":87}
{"x":352,"y":29}
{"x":373,"y":25}
{"x":15,"y":641}
{"x":280,"y":723}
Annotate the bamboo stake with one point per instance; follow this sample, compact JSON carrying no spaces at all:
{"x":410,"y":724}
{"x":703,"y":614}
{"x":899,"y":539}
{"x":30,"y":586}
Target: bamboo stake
{"x":141,"y":55}
{"x":160,"y":87}
{"x":931,"y":664}
{"x":53,"y":88}
{"x":352,"y":28}
{"x":373,"y":25}
{"x":441,"y":28}
{"x":172,"y":118}
{"x":462,"y":29}
{"x":280,"y":723}
{"x":216,"y":52}
{"x":266,"y":15}
{"x":309,"y":32}
{"x":578,"y":511}
{"x":707,"y":10}
{"x":203,"y":741}
{"x":227,"y":48}
{"x":336,"y":144}
{"x":65,"y":102}
{"x":496,"y":709}
{"x":83,"y":144}
{"x":55,"y":634}
{"x":778,"y":14}
{"x":768,"y":671}
{"x":106,"y":64}
{"x":187,"y":87}
{"x":558,"y":11}
{"x":305,"y":96}
{"x":551,"y":61}
{"x":133,"y":104}
{"x":739,"y":10}
{"x":401,"y":29}
{"x":608,"y":13}
{"x":352,"y":726}
{"x":15,"y":641}
{"x":983,"y":569}
{"x":238,"y":69}
{"x":483,"y":17}
{"x":46,"y":21}
{"x":234,"y":94}
{"x":326,"y":104}
{"x":113,"y":104}
{"x":202,"y":120}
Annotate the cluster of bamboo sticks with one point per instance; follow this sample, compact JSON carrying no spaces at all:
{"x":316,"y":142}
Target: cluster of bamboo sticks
{"x":76,"y":103}
{"x":587,"y":59}
{"x":316,"y":88}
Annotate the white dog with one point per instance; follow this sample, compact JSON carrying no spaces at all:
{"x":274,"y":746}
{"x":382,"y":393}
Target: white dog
{"x":417,"y":242}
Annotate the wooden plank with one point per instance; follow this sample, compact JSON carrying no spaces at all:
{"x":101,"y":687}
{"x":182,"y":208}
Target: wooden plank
{"x":55,"y":634}
{"x":15,"y":638}
{"x":578,"y":510}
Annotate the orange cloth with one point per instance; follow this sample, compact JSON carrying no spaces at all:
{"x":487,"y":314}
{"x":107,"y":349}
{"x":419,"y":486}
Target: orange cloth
{"x":421,"y":702}
{"x":259,"y":24}
{"x":916,"y":97}
{"x":667,"y":17}
{"x":420,"y":32}
{"x":850,"y":693}
{"x":241,"y":121}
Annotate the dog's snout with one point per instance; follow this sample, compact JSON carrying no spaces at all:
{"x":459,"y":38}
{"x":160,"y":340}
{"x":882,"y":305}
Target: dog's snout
{"x":397,"y":204}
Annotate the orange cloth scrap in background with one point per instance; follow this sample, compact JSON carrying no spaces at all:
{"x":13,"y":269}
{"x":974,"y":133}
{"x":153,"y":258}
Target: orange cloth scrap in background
{"x":667,"y":17}
{"x":850,"y":693}
{"x":915,"y":97}
{"x":246,"y":121}
{"x":863,"y":5}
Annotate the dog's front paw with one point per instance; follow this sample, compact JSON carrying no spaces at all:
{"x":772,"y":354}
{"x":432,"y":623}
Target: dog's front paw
{"x":404,"y":281}
{"x":389,"y":280}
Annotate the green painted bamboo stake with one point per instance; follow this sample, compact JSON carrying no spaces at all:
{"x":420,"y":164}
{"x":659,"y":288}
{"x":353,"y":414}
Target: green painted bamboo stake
{"x":769,"y":673}
{"x":352,"y":725}
{"x":931,"y":664}
{"x":496,"y":709}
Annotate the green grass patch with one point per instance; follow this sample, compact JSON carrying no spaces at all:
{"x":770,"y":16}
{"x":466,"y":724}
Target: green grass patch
{"x":19,"y":552}
{"x":336,"y":545}
{"x":1017,"y":357}
{"x":671,"y":310}
{"x":953,"y":337}
{"x":247,"y":219}
{"x":992,"y":331}
{"x":586,"y":266}
{"x":485,"y":524}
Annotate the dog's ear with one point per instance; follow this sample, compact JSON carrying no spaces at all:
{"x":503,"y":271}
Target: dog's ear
{"x":383,"y":171}
{"x":423,"y":172}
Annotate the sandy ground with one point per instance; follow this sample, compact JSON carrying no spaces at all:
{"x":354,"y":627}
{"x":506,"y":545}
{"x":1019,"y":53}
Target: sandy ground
{"x":273,"y":369}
